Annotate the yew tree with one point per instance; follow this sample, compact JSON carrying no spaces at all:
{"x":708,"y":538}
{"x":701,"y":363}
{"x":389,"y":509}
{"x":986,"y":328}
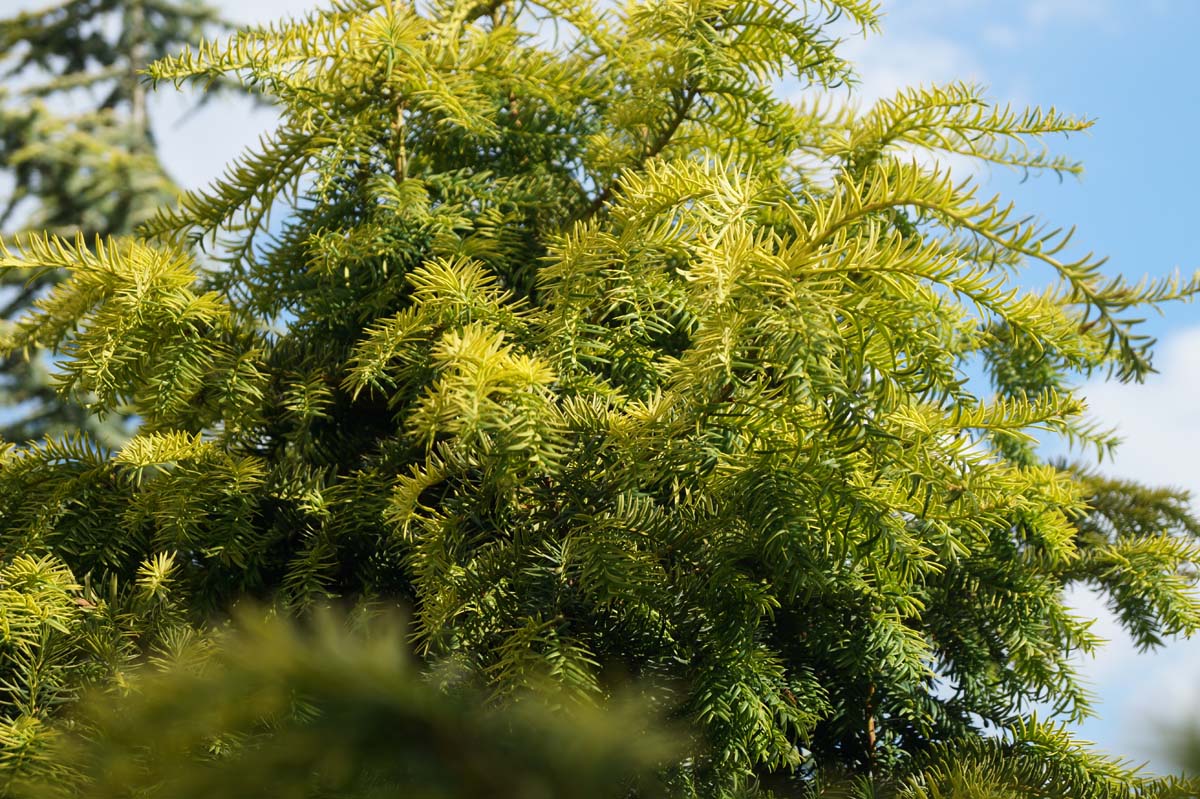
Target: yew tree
{"x":561,"y":325}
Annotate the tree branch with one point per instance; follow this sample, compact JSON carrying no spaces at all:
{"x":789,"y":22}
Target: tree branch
{"x":687,"y":96}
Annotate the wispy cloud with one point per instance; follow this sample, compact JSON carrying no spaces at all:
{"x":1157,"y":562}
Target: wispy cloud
{"x":889,"y":63}
{"x":1040,"y":14}
{"x":907,"y":55}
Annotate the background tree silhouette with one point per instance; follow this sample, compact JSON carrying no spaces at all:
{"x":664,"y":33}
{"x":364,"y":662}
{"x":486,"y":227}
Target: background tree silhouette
{"x":78,"y":149}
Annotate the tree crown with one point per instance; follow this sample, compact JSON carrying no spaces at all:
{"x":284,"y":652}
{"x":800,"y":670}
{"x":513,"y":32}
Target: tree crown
{"x":579,"y":340}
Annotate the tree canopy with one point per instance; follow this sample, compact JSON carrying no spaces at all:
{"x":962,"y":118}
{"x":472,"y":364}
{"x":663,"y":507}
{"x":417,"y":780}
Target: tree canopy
{"x":578,"y":339}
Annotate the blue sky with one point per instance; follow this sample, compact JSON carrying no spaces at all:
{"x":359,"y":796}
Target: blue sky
{"x":1133,"y":66}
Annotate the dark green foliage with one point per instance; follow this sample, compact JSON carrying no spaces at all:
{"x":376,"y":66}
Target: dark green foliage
{"x":610,"y":364}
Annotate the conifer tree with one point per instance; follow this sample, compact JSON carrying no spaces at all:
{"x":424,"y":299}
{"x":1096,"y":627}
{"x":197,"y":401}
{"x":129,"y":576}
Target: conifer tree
{"x":607,"y":361}
{"x":78,"y":151}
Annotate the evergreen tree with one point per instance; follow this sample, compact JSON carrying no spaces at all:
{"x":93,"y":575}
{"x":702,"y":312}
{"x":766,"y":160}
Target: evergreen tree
{"x":608,"y":362}
{"x":92,"y":169}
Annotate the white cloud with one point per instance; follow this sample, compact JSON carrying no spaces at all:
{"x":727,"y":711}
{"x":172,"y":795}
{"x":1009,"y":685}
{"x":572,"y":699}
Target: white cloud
{"x":1159,"y":421}
{"x":1044,"y":13}
{"x":1136,"y":694}
{"x":1161,"y":695}
{"x":1001,"y":36}
{"x":891,"y":62}
{"x":1119,"y":650}
{"x":1142,"y":695}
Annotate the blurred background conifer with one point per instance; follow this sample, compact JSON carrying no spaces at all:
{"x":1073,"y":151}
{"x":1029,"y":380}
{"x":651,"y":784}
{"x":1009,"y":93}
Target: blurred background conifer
{"x":78,"y":157}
